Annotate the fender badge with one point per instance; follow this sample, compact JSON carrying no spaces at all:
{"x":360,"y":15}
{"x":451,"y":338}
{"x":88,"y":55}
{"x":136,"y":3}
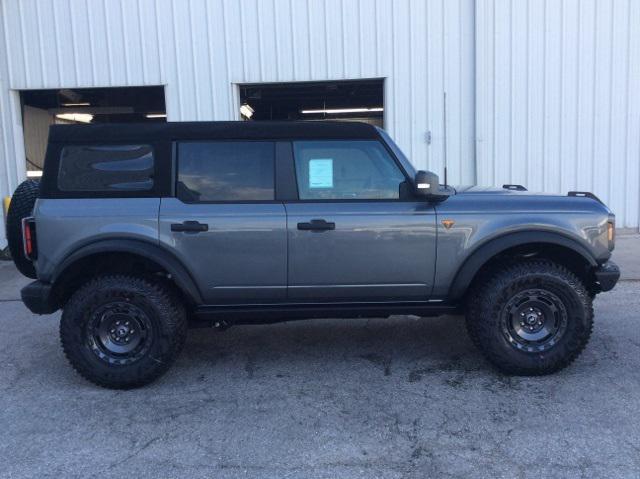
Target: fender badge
{"x":448,"y":223}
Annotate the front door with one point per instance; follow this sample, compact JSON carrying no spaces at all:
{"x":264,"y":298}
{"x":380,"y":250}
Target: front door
{"x":352,"y":237}
{"x":224,"y":223}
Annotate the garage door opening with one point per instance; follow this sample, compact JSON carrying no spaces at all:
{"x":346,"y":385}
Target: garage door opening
{"x":42,"y":108}
{"x":348,"y":100}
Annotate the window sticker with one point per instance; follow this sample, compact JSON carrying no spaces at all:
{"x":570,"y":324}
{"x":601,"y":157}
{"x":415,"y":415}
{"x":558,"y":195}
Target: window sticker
{"x":321,"y":173}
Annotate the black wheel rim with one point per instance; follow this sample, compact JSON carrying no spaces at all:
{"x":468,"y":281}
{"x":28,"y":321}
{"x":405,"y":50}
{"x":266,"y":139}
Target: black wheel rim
{"x":534,"y":320}
{"x":119,"y":333}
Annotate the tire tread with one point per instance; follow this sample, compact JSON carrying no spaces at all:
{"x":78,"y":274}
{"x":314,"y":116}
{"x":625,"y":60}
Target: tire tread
{"x":21,"y":206}
{"x":484,"y":303}
{"x":173,"y":317}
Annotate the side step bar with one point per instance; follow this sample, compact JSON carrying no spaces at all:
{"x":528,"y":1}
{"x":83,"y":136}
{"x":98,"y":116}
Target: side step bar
{"x":265,"y":313}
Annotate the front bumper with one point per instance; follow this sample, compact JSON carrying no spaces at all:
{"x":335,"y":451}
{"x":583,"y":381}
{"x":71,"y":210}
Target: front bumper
{"x":38,"y":297}
{"x":607,"y":275}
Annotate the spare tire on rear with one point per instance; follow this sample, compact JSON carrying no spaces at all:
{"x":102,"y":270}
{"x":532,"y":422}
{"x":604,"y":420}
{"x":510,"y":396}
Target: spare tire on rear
{"x":21,"y":206}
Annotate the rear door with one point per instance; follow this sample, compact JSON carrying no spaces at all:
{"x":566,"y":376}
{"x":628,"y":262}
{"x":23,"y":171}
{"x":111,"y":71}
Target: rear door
{"x":225,"y":224}
{"x":352,"y":234}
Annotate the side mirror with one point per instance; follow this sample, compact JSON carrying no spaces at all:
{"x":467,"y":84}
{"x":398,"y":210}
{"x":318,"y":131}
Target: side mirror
{"x":426,"y":183}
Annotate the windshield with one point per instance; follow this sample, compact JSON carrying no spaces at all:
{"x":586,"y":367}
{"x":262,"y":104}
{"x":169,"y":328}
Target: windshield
{"x":406,"y":164}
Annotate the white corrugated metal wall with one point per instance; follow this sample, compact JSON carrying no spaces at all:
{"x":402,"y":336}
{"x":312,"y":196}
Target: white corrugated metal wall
{"x":558,"y":97}
{"x":200,"y":50}
{"x":548,"y":90}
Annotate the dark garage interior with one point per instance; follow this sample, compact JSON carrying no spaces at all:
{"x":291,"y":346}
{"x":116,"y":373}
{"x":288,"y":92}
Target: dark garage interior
{"x":42,"y":108}
{"x":349,"y":100}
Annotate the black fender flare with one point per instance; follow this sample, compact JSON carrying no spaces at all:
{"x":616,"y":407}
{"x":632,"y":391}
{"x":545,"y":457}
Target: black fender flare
{"x":487,"y":250}
{"x":145,"y":249}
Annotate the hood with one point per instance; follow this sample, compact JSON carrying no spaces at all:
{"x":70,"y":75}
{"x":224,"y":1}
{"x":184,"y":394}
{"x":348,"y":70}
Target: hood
{"x":494,"y":190}
{"x":512,"y":194}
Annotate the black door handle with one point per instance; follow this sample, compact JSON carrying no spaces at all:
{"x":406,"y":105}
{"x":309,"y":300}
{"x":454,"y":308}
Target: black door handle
{"x":317,"y":225}
{"x":190,"y":226}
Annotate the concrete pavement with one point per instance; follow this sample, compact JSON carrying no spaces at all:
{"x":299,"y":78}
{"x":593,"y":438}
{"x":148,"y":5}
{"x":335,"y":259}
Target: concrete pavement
{"x":394,"y":398}
{"x":627,"y":255}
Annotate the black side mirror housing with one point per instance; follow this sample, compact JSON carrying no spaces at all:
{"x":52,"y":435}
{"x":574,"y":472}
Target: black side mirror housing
{"x":426,"y":183}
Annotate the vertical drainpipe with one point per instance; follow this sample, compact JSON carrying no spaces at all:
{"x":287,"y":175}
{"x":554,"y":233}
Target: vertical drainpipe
{"x":475,"y":93}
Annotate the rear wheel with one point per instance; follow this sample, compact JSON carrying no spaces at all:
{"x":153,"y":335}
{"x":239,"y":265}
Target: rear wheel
{"x":21,"y":206}
{"x":530,"y":318}
{"x":121,"y":331}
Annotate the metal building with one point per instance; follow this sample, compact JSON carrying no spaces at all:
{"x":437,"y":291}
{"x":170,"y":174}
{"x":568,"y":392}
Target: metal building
{"x":544,"y":93}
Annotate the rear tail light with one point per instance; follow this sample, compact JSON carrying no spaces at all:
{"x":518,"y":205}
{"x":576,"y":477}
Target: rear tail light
{"x":29,"y":238}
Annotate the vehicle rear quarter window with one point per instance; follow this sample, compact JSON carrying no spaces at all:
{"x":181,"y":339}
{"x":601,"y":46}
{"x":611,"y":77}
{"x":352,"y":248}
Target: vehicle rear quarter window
{"x":346,"y":169}
{"x":106,"y":168}
{"x":226,"y":171}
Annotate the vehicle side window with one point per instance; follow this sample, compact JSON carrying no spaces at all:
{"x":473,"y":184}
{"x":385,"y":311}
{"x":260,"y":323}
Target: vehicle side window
{"x":346,"y":169}
{"x":108,"y":168}
{"x":226,"y":171}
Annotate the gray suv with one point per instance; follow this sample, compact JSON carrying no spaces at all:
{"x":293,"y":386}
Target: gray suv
{"x":138,"y":232}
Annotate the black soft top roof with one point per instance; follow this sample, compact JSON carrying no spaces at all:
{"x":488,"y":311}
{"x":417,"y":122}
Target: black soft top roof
{"x":240,"y":130}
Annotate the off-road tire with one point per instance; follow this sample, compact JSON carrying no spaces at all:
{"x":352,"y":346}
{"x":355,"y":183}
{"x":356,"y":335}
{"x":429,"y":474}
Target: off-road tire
{"x":495,"y":291}
{"x":21,"y":206}
{"x":158,"y":304}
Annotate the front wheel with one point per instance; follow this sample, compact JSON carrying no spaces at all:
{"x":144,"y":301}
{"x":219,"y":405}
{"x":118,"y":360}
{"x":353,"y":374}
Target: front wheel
{"x":530,"y":318}
{"x":122,"y":331}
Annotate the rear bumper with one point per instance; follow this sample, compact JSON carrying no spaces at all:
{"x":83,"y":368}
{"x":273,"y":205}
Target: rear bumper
{"x":607,"y":275}
{"x":38,"y":297}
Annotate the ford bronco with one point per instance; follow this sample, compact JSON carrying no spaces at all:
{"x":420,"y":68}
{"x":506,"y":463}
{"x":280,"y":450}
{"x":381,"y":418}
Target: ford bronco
{"x":137,"y":232}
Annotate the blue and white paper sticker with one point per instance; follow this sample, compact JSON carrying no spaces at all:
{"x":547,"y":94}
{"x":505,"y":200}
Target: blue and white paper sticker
{"x":321,"y":173}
